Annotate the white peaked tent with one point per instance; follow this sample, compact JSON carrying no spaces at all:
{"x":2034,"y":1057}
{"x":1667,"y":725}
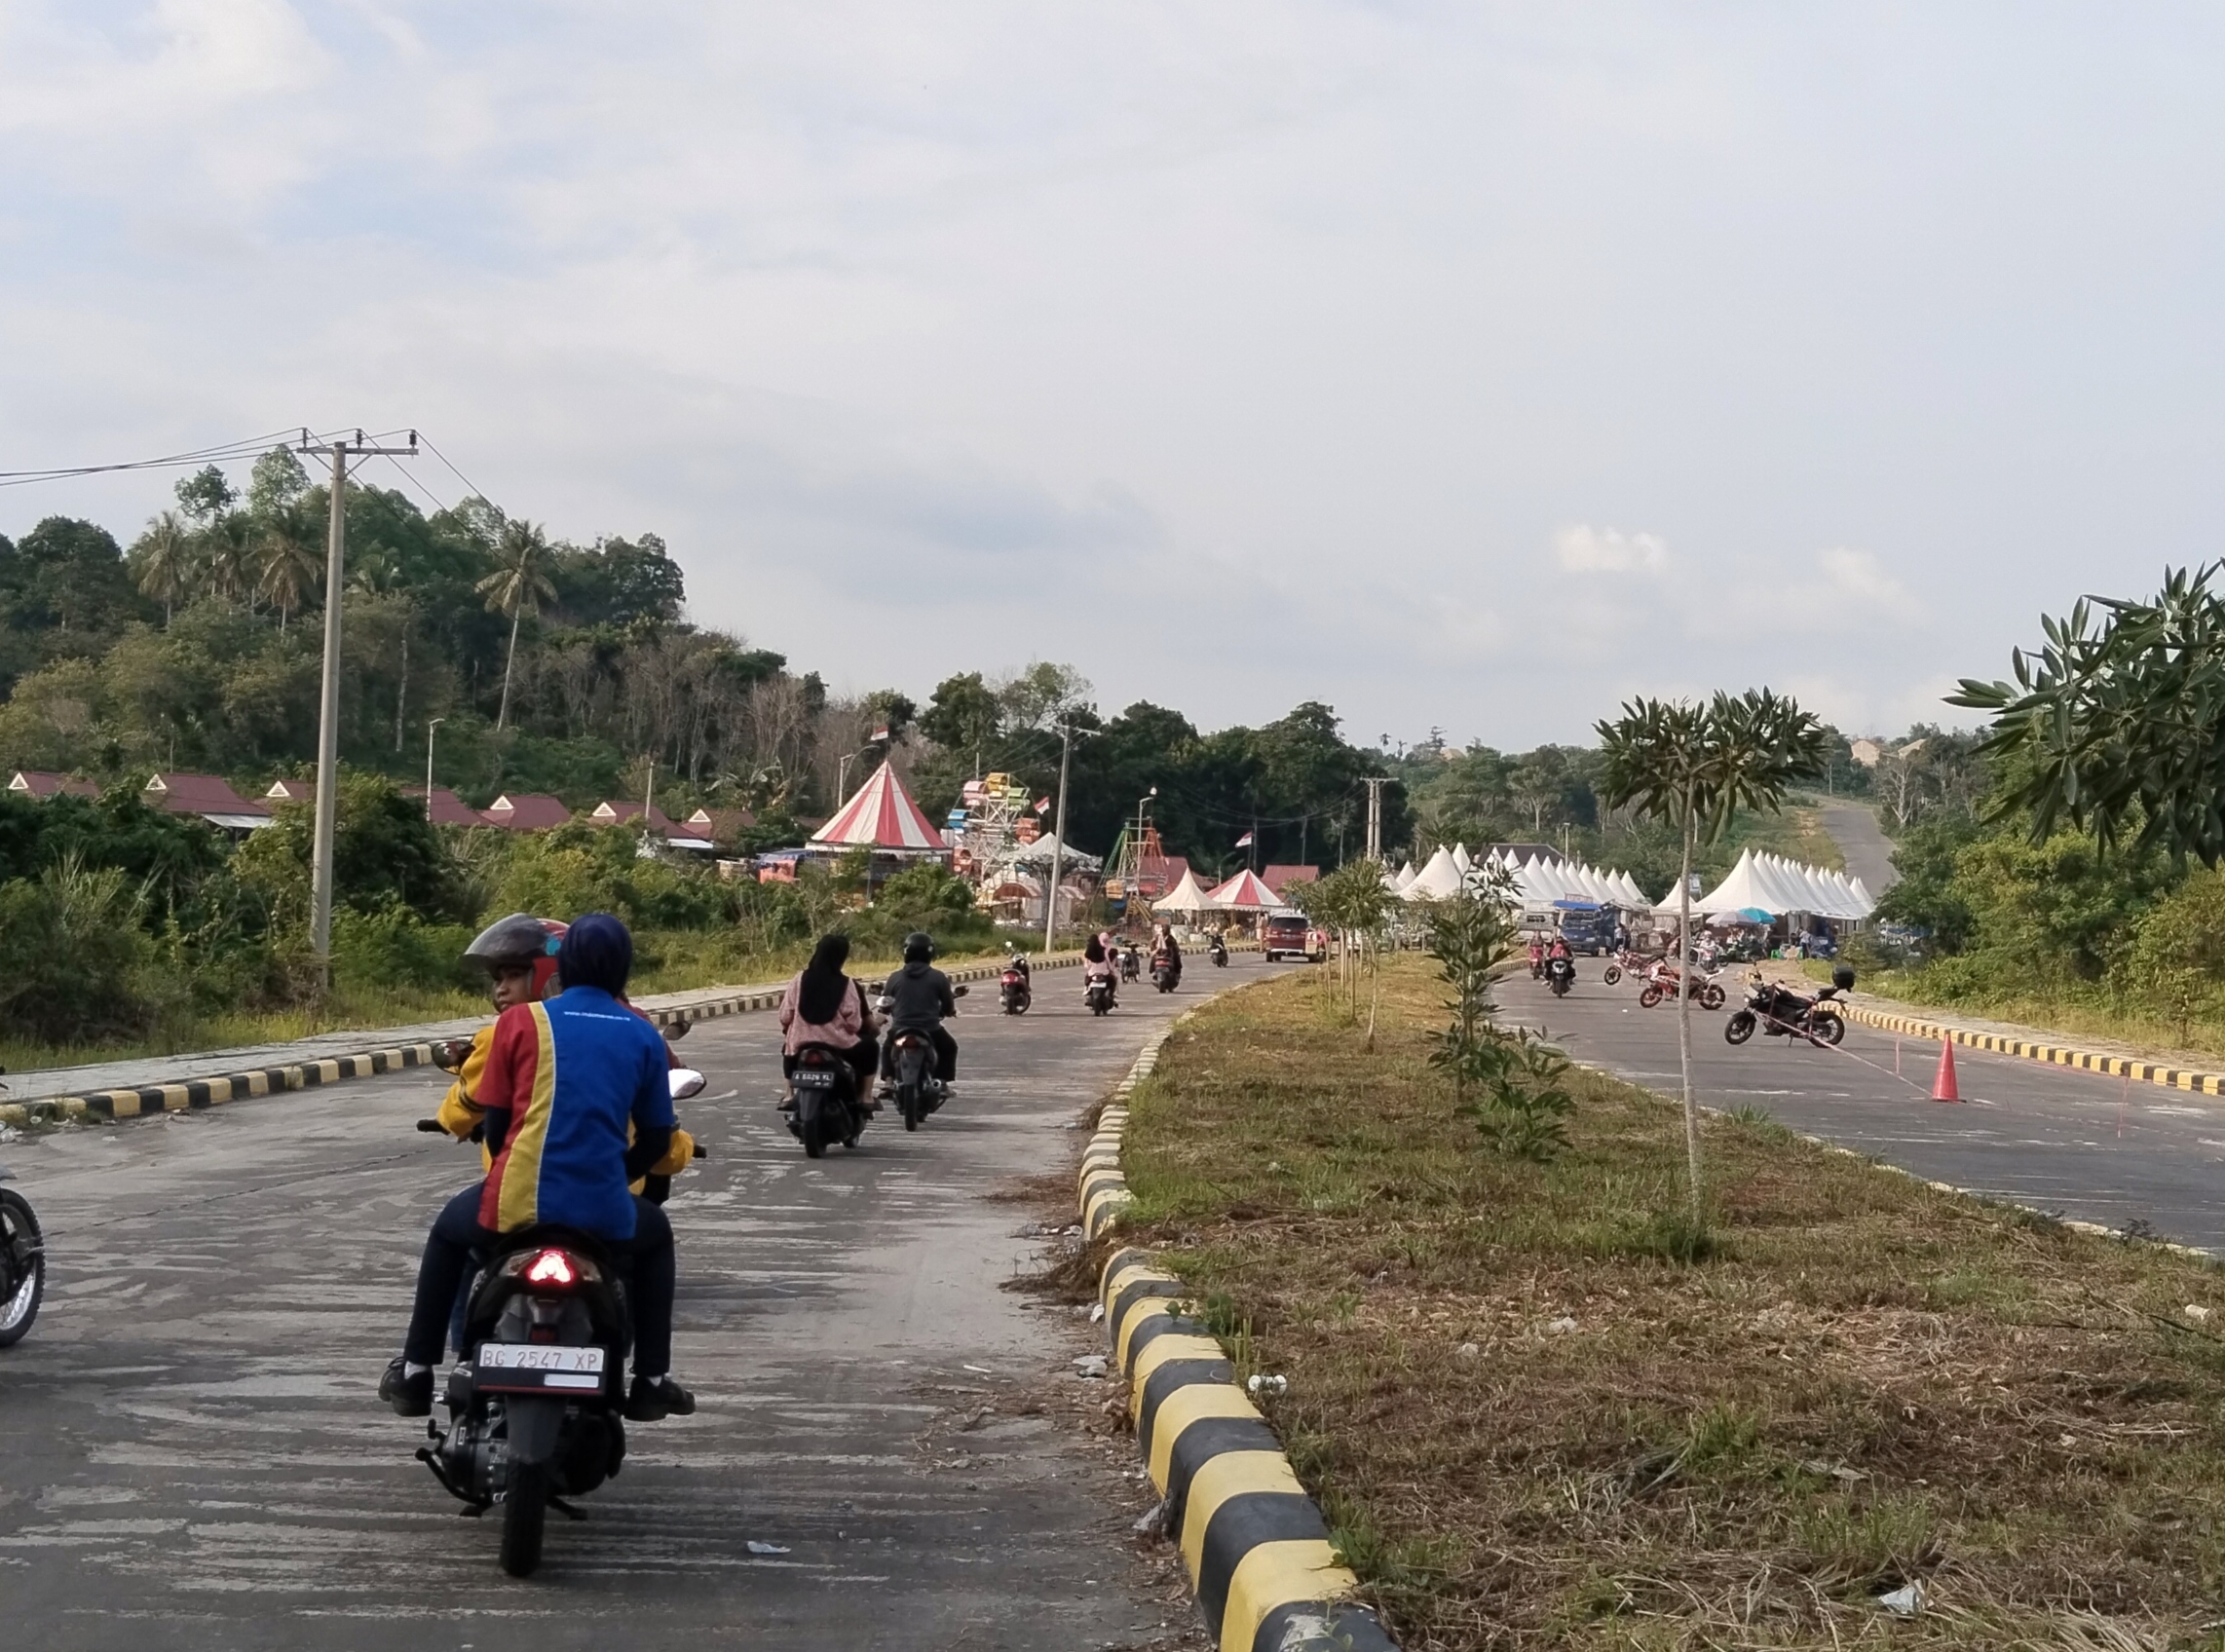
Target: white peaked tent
{"x":1460,"y":859}
{"x":1185,"y":896}
{"x":1772,"y":884}
{"x":1439,"y":881}
{"x":1406,"y":876}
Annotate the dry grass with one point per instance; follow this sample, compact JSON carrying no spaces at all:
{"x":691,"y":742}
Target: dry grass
{"x":1867,"y":1385}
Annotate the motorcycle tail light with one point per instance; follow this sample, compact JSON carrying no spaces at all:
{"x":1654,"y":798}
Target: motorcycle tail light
{"x":550,"y":1267}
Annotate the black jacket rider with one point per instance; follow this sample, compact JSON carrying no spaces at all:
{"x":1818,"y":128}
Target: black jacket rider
{"x":920,"y":996}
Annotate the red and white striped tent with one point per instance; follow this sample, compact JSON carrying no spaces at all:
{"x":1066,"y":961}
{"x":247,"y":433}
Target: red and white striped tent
{"x":1244,"y":892}
{"x":882,"y":816}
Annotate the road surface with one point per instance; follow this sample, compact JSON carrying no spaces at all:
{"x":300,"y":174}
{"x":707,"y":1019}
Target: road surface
{"x":2079,"y":1144}
{"x":194,"y":1456}
{"x":1867,"y":851}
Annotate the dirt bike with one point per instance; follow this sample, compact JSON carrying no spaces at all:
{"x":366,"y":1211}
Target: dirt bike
{"x":1661,"y":982}
{"x":1624,"y":961}
{"x":1781,"y":1013}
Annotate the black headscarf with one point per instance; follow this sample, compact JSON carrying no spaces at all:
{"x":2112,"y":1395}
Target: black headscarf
{"x":1093,"y":950}
{"x":819,"y":989}
{"x":597,"y":952}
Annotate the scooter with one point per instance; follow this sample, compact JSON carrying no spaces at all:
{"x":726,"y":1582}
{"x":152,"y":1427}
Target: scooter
{"x":1560,"y":975}
{"x":537,"y":1413}
{"x":1014,"y":992}
{"x":829,"y":1106}
{"x":1218,"y":949}
{"x":23,"y":1266}
{"x":911,"y":1067}
{"x":1096,"y":996}
{"x":1131,"y":964}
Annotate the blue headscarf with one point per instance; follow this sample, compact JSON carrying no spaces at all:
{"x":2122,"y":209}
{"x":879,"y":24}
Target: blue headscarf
{"x":597,"y":952}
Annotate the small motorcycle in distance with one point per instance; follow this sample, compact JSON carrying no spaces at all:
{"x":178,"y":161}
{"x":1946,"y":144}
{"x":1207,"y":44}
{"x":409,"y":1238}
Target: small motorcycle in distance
{"x":23,"y":1266}
{"x":1131,"y":963}
{"x":1097,"y":995}
{"x":1014,"y":992}
{"x":1623,"y":963}
{"x":1560,"y":975}
{"x":1783,"y":1013}
{"x":912,"y":1063}
{"x":1661,"y":982}
{"x":1218,"y":949}
{"x":1166,"y":974}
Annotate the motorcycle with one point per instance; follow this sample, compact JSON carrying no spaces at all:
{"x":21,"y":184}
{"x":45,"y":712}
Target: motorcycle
{"x":828,"y":1104}
{"x":912,"y":1065}
{"x":1661,"y":981}
{"x":1098,"y":994}
{"x":1560,"y":975}
{"x":23,"y":1266}
{"x":1218,"y":949}
{"x":1623,"y":962}
{"x":1013,"y":992}
{"x":1166,"y":974}
{"x":537,"y":1413}
{"x":1131,"y":964}
{"x":1781,"y":1012}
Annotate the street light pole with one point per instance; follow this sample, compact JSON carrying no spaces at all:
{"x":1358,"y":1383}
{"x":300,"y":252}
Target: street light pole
{"x":430,"y":728}
{"x":1058,"y":837}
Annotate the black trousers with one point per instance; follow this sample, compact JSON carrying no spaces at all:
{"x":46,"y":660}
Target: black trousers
{"x":651,"y":1263}
{"x":946,"y":1052}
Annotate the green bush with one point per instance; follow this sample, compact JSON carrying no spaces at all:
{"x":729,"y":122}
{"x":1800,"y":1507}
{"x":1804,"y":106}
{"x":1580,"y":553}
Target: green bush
{"x":393,"y":946}
{"x":77,"y":954}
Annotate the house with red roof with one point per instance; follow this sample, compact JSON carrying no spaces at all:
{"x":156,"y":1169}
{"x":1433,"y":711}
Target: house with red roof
{"x":290,"y":791}
{"x":1281,"y":877}
{"x":525,"y":812}
{"x":209,"y":797}
{"x":616,"y":814}
{"x":722,"y":827}
{"x":33,"y":784}
{"x":448,"y":809}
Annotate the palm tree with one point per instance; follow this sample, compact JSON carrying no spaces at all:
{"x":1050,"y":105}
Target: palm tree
{"x":286,"y":555}
{"x":517,"y":584}
{"x":1697,"y":766}
{"x":378,"y":572}
{"x":162,"y":562}
{"x":226,"y":554}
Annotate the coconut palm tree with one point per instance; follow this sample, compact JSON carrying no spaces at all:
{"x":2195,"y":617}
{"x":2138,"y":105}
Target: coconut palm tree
{"x":1695,"y":767}
{"x":378,"y":572}
{"x":519,"y":584}
{"x":227,"y":556}
{"x":285,"y":559}
{"x":162,"y":562}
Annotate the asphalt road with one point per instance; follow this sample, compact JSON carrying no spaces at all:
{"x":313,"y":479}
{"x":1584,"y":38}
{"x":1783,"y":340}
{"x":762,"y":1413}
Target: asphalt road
{"x":2078,"y":1145}
{"x":1867,"y":851}
{"x":192,"y":1454}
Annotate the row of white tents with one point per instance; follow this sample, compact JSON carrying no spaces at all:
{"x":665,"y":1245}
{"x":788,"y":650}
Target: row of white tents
{"x":1773,"y":885}
{"x":1763,"y":882}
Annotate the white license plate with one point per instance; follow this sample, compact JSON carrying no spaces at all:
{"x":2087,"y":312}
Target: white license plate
{"x":541,"y":1357}
{"x":814,"y":1078}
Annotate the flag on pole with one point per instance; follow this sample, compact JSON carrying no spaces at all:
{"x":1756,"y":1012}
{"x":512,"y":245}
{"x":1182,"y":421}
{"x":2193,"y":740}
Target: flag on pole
{"x":881,"y":734}
{"x":1245,"y":842}
{"x":1043,"y":805}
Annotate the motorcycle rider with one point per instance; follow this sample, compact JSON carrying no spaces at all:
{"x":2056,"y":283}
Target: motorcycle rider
{"x":1536,"y":957}
{"x":1166,"y":951}
{"x":1096,"y":966}
{"x":824,"y":1006}
{"x":562,"y":1083}
{"x":921,"y":998}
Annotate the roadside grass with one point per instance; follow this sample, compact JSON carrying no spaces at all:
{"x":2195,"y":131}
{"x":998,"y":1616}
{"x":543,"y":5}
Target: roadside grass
{"x":1541,"y":1410}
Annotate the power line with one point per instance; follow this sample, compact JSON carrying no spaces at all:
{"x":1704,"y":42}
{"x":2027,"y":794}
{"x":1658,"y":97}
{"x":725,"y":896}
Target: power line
{"x":251,"y":447}
{"x":476,"y":490}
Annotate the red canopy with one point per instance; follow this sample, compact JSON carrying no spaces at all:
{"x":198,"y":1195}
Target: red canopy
{"x":1244,"y":892}
{"x":882,"y":816}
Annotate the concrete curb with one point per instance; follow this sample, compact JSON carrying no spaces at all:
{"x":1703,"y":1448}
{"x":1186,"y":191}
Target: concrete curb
{"x":1255,"y":1544}
{"x":193,"y":1094}
{"x":2055,"y":1055}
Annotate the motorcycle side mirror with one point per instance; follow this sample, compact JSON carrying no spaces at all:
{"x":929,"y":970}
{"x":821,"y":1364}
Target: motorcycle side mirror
{"x":884,"y":1003}
{"x":448,"y":1054}
{"x":686,"y":1082}
{"x":678,"y":1030}
{"x":1844,"y":977}
{"x":959,"y":990}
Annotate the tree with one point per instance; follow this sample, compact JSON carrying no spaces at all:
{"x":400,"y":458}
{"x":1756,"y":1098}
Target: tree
{"x":286,"y":555}
{"x":2178,"y":949}
{"x":518,"y":584}
{"x":1696,"y":766}
{"x":963,"y":715}
{"x":205,"y":495}
{"x":2117,"y":723}
{"x":162,"y":561}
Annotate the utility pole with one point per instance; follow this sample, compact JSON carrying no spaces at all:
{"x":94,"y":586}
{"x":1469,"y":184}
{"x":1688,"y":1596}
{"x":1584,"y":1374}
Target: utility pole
{"x":1375,"y":784}
{"x":431,"y":729}
{"x":328,"y":708}
{"x":1058,"y":837}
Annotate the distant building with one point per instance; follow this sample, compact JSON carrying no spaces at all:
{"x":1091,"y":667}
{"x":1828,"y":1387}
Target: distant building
{"x":1867,"y":752}
{"x":615,"y":813}
{"x":722,"y":827}
{"x":527,"y":811}
{"x":209,"y":797}
{"x":448,"y":809}
{"x":290,"y":791}
{"x":32,"y":783}
{"x":1277,"y":878}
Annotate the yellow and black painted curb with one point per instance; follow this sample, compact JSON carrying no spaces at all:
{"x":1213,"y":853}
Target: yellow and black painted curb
{"x":2055,"y":1055}
{"x":1257,"y":1550}
{"x":192,"y":1094}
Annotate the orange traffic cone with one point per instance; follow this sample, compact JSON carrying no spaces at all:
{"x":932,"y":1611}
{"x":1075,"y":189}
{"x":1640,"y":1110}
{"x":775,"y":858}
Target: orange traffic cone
{"x":1942,"y":1086}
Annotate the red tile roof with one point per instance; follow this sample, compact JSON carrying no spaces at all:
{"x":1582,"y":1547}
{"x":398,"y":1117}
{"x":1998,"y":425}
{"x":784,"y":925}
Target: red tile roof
{"x":448,"y":809}
{"x":32,"y":782}
{"x":616,"y":814}
{"x":526,"y":812}
{"x":290,"y":791}
{"x":1279,"y":878}
{"x":198,"y":794}
{"x":720,"y":825}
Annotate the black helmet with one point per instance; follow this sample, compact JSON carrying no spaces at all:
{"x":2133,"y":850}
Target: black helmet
{"x":519,"y":941}
{"x":919,"y":947}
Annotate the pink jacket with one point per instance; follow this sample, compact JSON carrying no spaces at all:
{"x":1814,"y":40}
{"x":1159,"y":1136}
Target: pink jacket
{"x":850,"y":1022}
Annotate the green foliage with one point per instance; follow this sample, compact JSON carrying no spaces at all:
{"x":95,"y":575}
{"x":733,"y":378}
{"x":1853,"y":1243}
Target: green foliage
{"x":928,"y":897}
{"x":384,"y":855}
{"x":1927,"y":894}
{"x":77,"y":954}
{"x":2178,"y":952}
{"x":576,"y":869}
{"x":1511,"y":1083}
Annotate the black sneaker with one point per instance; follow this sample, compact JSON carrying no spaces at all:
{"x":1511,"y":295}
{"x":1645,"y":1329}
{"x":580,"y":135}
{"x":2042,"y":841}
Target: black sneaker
{"x":654,"y":1402}
{"x":409,"y":1396}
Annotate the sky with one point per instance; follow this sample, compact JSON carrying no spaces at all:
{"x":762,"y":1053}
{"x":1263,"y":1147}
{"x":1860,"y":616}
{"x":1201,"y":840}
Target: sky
{"x":1465,"y":367}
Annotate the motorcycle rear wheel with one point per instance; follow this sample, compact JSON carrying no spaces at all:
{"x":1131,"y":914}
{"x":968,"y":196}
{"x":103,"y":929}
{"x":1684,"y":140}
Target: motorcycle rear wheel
{"x":22,"y":1306}
{"x":1826,"y":1028}
{"x":1648,"y":996}
{"x":1739,"y":1028}
{"x":524,"y":1518}
{"x":813,"y":1130}
{"x":1711,"y":997}
{"x":908,"y":1104}
{"x":1614,"y":974}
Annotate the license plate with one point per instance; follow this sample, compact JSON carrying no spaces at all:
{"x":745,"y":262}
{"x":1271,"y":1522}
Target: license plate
{"x":814,"y":1078}
{"x":538,"y":1356}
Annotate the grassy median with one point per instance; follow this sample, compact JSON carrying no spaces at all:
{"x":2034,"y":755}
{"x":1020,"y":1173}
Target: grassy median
{"x":1533,"y":1425}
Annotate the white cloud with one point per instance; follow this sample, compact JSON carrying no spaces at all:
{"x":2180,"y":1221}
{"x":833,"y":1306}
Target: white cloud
{"x":1586,"y":550}
{"x":1857,"y":577}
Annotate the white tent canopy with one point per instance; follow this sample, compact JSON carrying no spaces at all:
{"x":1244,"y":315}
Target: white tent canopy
{"x":1406,"y":876}
{"x":1185,"y":896}
{"x":1771,"y":883}
{"x":1439,"y":881}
